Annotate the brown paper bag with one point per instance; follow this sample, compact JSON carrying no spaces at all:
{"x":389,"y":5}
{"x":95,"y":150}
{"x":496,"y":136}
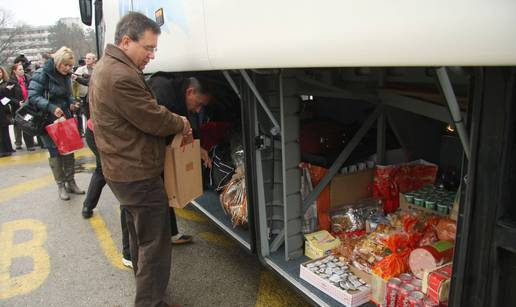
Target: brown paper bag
{"x":182,"y":171}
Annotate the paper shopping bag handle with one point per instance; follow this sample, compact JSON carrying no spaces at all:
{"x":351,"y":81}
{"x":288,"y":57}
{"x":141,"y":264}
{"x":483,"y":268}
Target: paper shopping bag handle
{"x":180,"y":141}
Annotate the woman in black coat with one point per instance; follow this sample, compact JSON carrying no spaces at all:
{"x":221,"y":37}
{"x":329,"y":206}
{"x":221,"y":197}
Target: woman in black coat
{"x":6,"y":111}
{"x":20,"y":96}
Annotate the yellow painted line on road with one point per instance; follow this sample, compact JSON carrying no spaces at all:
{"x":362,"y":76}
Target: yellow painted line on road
{"x":30,"y":185}
{"x":190,"y":215}
{"x":220,"y":240}
{"x":106,"y":241}
{"x":275,"y":293}
{"x":37,"y":157}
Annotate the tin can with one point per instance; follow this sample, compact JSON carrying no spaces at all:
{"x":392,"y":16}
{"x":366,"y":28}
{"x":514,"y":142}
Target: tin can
{"x":416,"y":299}
{"x":406,"y":278}
{"x":403,"y":294}
{"x":417,"y":283}
{"x":430,"y":204}
{"x":429,"y":303}
{"x":418,"y":201}
{"x":442,"y":208}
{"x":391,"y":294}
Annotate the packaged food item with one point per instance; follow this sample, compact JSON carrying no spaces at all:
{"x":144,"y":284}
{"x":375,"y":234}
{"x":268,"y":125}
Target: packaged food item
{"x":397,"y":262}
{"x":416,"y":299}
{"x":347,"y":220}
{"x":427,"y":302}
{"x":404,"y":293}
{"x":391,"y":294}
{"x":347,"y":246}
{"x":447,"y":229}
{"x":429,"y":257}
{"x":319,"y":244}
{"x":406,"y":278}
{"x":417,"y":283}
{"x":439,"y":284}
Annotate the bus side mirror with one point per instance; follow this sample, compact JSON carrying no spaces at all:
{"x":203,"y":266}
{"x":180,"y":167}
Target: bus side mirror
{"x":86,"y":11}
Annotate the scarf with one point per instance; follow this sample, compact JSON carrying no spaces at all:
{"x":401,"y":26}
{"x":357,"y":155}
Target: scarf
{"x":21,"y":81}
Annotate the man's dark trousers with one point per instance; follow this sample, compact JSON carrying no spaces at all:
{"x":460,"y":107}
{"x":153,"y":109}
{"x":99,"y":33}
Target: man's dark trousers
{"x":146,"y":204}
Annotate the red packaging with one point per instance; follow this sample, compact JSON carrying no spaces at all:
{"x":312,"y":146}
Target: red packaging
{"x":391,"y":295}
{"x":65,"y":135}
{"x":439,"y":284}
{"x":403,"y":294}
{"x":417,"y":283}
{"x":430,"y":257}
{"x":429,"y":303}
{"x":406,"y":278}
{"x":416,"y":299}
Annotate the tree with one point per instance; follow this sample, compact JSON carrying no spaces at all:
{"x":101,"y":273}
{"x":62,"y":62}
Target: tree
{"x":8,"y":37}
{"x":73,"y":37}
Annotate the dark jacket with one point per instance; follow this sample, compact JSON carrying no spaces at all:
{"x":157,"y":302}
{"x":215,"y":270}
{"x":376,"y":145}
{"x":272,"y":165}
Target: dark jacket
{"x":17,"y":93}
{"x":129,"y":124}
{"x":5,"y":111}
{"x":170,"y":93}
{"x":49,"y":90}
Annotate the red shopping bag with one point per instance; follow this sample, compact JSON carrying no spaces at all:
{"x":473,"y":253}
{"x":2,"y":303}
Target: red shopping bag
{"x":65,"y":135}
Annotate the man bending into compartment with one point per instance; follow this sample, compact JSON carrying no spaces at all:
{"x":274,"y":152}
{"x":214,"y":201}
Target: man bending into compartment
{"x":130,"y":131}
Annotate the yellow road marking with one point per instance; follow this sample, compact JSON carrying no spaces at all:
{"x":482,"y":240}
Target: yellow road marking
{"x":18,"y":189}
{"x":22,"y":284}
{"x":190,"y":215}
{"x":106,"y":241}
{"x":274,"y":293}
{"x":37,"y":157}
{"x":220,"y":240}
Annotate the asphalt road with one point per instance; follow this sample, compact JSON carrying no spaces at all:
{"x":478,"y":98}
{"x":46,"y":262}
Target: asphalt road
{"x":51,"y":256}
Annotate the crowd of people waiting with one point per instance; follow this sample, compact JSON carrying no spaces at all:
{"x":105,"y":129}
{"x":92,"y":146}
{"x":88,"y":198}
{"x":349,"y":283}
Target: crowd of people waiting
{"x":56,"y":87}
{"x":14,"y":92}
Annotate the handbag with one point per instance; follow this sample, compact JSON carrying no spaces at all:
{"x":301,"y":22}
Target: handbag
{"x":65,"y":134}
{"x":30,"y":119}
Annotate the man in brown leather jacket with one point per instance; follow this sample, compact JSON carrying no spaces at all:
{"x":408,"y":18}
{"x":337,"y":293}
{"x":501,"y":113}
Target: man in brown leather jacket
{"x":129,"y":131}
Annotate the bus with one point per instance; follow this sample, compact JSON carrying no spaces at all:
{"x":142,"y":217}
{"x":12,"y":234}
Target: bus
{"x":393,"y":74}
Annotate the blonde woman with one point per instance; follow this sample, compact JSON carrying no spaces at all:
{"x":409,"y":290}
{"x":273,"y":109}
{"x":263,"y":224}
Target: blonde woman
{"x":54,"y":78}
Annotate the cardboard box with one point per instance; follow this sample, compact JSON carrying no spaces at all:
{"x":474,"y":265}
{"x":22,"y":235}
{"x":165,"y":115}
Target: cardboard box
{"x":378,"y":288}
{"x":319,"y":244}
{"x":351,"y":188}
{"x":349,"y":299}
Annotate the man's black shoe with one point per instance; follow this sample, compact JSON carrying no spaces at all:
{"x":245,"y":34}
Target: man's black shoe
{"x":86,"y":212}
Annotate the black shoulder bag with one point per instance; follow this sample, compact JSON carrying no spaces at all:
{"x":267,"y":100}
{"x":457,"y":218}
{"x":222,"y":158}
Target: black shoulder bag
{"x":30,"y":119}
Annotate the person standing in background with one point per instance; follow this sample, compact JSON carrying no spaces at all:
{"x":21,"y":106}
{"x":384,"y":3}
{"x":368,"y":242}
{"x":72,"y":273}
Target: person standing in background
{"x":20,"y":96}
{"x":85,"y":72}
{"x":51,"y":90}
{"x":6,"y":112}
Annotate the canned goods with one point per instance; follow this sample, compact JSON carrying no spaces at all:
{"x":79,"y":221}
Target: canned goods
{"x":442,"y":208}
{"x":418,"y":201}
{"x":391,"y":294}
{"x":406,"y":278}
{"x":409,"y":198}
{"x":416,"y":299}
{"x":430,"y":204}
{"x":429,"y":303}
{"x":403,"y":294}
{"x":417,"y":283}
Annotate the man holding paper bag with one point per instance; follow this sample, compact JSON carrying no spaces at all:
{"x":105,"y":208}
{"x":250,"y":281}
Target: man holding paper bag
{"x":130,"y":128}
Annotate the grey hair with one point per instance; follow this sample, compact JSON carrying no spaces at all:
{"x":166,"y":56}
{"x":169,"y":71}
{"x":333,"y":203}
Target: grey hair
{"x":195,"y":84}
{"x":133,"y":25}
